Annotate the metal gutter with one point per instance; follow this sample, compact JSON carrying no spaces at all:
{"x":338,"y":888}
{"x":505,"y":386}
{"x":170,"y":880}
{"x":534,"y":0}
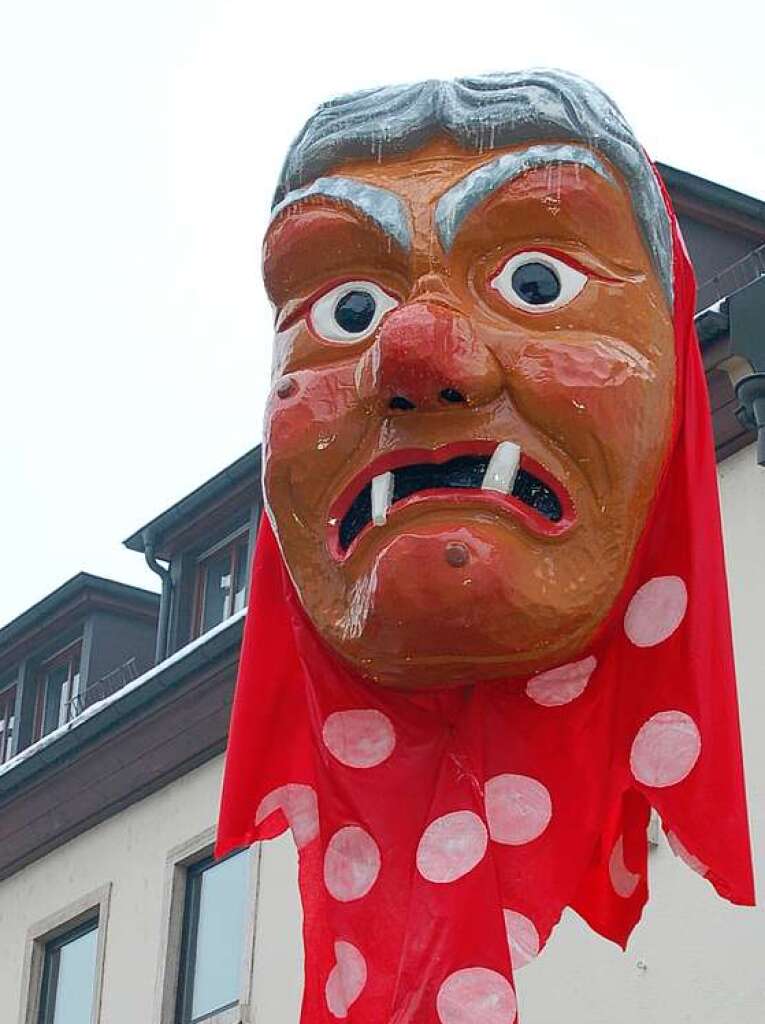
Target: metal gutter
{"x":218,"y":644}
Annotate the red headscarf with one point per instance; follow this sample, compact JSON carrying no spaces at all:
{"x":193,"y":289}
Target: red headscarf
{"x":441,"y":834}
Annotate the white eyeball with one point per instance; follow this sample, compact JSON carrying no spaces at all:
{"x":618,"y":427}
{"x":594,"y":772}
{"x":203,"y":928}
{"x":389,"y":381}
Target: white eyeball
{"x":538,"y":282}
{"x":350,"y":312}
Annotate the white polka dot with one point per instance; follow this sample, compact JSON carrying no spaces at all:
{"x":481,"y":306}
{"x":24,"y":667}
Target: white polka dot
{"x":360,"y":739}
{"x":685,"y":855}
{"x":351,"y":864}
{"x":623,"y":880}
{"x":299,"y":805}
{"x":346,"y":980}
{"x":522,"y":938}
{"x":476,"y":995}
{"x":656,"y":610}
{"x":451,"y":846}
{"x":561,"y":685}
{"x":518,"y":808}
{"x":665,"y":749}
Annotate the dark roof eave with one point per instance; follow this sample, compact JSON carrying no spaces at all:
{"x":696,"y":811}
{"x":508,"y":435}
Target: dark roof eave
{"x":190,"y":506}
{"x":82,"y":585}
{"x":714,"y":196}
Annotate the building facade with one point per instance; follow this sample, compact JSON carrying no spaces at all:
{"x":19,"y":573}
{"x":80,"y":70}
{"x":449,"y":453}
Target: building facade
{"x":114,"y":708}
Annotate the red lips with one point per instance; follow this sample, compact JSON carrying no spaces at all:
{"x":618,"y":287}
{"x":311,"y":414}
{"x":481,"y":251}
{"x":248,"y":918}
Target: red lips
{"x":453,"y":496}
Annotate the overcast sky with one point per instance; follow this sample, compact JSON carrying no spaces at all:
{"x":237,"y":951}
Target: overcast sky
{"x":140,"y":145}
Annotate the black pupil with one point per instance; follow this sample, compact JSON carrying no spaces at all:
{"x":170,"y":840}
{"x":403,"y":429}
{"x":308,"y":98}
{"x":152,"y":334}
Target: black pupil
{"x":536,"y":284}
{"x":355,"y":311}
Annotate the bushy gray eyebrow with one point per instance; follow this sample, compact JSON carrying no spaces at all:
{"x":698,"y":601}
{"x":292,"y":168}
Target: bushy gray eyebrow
{"x":385,"y":208}
{"x":457,"y":203}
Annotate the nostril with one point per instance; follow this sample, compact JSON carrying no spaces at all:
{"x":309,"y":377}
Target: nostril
{"x":452,"y":395}
{"x":399,"y":402}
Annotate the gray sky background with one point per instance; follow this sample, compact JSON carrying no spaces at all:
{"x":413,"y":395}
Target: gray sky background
{"x":140,"y":146}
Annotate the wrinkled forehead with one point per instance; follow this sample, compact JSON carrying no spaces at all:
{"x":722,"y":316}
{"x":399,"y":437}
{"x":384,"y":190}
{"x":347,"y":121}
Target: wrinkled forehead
{"x":421,"y":203}
{"x":470,"y":186}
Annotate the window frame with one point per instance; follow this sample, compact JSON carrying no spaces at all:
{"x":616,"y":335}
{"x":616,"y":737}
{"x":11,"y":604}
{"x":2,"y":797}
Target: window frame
{"x":51,"y":967}
{"x":230,"y":542}
{"x":66,"y":655}
{"x":179,"y":862}
{"x":92,"y":906}
{"x":9,"y":693}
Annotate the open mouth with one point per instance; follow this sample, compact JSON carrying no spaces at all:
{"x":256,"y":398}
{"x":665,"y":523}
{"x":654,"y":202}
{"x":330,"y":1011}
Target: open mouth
{"x":498,"y":473}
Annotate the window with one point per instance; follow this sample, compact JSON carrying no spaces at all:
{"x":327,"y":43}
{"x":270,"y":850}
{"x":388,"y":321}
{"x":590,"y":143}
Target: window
{"x":64,"y":963}
{"x":7,"y":721}
{"x":57,"y":690}
{"x":206,"y":956}
{"x":69,"y":976}
{"x":221,"y":581}
{"x":214,"y":933}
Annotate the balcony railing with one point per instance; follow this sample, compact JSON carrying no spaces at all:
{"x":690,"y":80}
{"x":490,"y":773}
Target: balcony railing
{"x":738,"y":275}
{"x":103,"y":687}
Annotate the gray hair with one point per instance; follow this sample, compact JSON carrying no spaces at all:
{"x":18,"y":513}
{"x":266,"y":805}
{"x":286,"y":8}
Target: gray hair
{"x":483,"y":114}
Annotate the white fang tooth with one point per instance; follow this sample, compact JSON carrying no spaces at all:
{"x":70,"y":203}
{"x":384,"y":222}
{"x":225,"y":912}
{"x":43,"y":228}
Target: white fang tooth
{"x":502,"y":469}
{"x":382,"y":496}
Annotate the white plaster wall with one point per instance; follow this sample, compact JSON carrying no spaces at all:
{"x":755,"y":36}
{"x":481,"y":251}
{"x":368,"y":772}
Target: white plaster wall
{"x":129,"y":850}
{"x":278,"y":977}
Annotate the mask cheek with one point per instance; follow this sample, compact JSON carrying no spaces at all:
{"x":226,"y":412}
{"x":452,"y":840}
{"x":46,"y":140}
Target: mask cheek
{"x":313,"y":431}
{"x":587,"y":391}
{"x":598,"y":363}
{"x":290,"y":426}
{"x":307,"y":411}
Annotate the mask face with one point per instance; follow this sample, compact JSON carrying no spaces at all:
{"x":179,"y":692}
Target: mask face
{"x":472,"y":399}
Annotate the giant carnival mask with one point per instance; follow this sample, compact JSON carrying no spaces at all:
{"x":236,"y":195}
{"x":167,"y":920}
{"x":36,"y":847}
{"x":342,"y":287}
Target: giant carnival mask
{"x":488,"y":623}
{"x":475,"y":378}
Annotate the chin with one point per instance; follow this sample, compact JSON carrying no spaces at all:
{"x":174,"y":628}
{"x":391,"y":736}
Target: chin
{"x":438,"y":605}
{"x":459,"y":665}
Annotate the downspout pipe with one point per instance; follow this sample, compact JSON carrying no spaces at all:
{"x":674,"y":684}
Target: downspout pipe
{"x":163,"y":572}
{"x":747,"y":340}
{"x":750,"y":391}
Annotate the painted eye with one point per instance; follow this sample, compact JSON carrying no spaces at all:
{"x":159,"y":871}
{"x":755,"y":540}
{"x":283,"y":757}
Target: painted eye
{"x":350,"y":312}
{"x":538,"y":282}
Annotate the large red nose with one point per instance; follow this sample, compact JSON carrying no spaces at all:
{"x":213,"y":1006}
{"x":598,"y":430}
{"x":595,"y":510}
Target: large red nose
{"x":428,"y":356}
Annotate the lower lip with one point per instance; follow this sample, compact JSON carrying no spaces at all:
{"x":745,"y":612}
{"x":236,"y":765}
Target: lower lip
{"x":466,"y":497}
